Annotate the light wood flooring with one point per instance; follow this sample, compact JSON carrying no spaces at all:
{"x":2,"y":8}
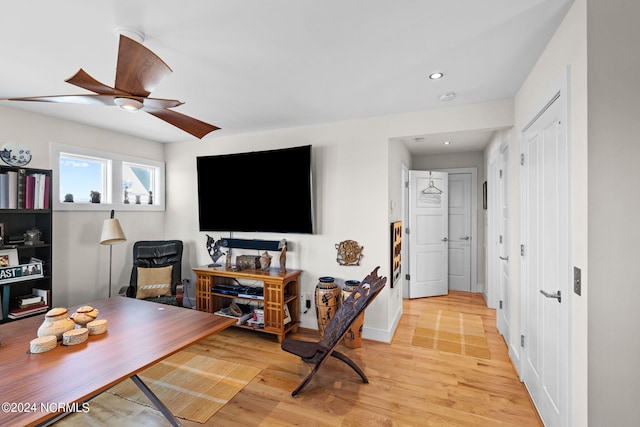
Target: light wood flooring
{"x":408,"y":385}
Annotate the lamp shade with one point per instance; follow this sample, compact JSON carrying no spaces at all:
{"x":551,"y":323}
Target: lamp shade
{"x":112,"y":232}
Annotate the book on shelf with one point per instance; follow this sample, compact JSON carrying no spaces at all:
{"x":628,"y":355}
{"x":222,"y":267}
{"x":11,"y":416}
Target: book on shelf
{"x":44,"y":293}
{"x":28,"y":300}
{"x":17,"y":313}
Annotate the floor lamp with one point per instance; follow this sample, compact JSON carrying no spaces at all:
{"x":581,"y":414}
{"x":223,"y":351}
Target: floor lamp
{"x":111,"y":234}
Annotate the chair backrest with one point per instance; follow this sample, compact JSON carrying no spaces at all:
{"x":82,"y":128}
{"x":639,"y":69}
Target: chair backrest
{"x":355,"y":304}
{"x":153,"y":254}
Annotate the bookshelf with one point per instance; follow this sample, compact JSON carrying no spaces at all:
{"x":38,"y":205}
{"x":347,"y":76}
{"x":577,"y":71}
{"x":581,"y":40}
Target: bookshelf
{"x":26,"y":230}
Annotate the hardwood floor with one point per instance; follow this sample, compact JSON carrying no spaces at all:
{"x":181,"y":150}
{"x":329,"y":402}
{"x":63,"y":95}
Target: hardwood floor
{"x":408,"y":385}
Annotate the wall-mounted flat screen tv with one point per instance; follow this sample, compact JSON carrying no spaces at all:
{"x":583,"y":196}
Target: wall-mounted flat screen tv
{"x":265,"y":191}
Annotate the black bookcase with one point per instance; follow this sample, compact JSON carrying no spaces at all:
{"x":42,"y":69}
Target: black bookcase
{"x":26,"y":228}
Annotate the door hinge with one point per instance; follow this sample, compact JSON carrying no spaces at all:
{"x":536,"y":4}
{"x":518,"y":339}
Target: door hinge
{"x":406,"y":230}
{"x":521,"y":340}
{"x":407,"y":277}
{"x":521,"y":250}
{"x":406,"y":184}
{"x":500,"y":239}
{"x":522,"y":159}
{"x":500,"y":173}
{"x":500,"y":305}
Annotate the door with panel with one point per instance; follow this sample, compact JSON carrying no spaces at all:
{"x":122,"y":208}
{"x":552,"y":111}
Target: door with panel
{"x":428,"y":233}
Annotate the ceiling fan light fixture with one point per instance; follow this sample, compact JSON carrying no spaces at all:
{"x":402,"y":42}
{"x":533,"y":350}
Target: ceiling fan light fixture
{"x":128,"y":104}
{"x":134,"y":35}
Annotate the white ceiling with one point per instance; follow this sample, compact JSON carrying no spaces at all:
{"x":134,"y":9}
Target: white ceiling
{"x":249,"y":65}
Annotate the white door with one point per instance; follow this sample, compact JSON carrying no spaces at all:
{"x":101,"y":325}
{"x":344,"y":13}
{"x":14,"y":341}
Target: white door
{"x":504,"y":283}
{"x":460,"y":232}
{"x":545,"y":266}
{"x":428,"y":227}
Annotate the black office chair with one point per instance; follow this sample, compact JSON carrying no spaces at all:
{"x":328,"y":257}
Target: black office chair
{"x":157,"y":272}
{"x":319,"y":352}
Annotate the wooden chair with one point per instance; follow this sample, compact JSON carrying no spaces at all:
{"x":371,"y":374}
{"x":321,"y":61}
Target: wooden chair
{"x":319,"y":352}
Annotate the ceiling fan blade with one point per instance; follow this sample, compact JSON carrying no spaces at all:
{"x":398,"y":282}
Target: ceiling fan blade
{"x":188,"y":124}
{"x":84,"y":80}
{"x":71,"y":99}
{"x":139,"y":71}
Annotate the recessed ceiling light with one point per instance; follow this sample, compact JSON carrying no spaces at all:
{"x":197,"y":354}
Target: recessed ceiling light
{"x":436,"y":76}
{"x":446,"y":143}
{"x":449,"y":96}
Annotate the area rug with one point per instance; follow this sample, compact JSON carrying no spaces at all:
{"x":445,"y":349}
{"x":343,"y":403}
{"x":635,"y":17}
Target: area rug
{"x":453,"y":332}
{"x":193,"y":387}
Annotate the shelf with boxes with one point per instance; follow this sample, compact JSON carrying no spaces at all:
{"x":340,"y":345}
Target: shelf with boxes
{"x":25,"y":240}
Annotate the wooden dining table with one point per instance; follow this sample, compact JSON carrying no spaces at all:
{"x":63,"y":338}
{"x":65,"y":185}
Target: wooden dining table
{"x":36,"y":388}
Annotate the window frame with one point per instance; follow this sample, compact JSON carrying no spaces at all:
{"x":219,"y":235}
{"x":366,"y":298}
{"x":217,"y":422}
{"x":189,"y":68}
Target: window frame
{"x":114,"y":181}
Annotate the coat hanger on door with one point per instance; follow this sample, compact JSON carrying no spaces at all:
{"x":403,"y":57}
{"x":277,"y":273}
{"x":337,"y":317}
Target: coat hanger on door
{"x":431,"y":188}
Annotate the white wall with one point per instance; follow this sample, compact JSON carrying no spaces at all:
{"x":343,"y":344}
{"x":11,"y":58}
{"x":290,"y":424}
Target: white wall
{"x":613,"y":176}
{"x":80,"y":263}
{"x":353,"y":193}
{"x":568,"y":47}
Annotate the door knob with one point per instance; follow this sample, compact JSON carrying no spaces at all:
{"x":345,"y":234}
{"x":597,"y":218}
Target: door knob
{"x":548,"y":295}
{"x":504,"y":258}
{"x":465,"y":238}
{"x":445,"y":239}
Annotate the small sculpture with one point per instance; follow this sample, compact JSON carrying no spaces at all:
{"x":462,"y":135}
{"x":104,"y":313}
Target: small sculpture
{"x":227,"y":262}
{"x":282,"y":245}
{"x":84,"y":315}
{"x":150,"y":197}
{"x":349,"y":252}
{"x":265,"y":261}
{"x":213,"y":247}
{"x":95,"y":196}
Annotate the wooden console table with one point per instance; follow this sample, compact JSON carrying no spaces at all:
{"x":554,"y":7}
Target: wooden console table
{"x":280,"y":289}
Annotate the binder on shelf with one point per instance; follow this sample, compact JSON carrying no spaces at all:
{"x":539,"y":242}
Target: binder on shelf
{"x":30,"y":188}
{"x":4,"y":191}
{"x":13,"y":189}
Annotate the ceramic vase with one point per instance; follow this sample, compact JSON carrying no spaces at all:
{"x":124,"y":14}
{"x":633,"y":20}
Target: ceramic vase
{"x":327,"y":301}
{"x":353,"y":336}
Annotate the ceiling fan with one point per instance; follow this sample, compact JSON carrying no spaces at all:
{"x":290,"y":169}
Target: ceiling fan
{"x":139,"y":71}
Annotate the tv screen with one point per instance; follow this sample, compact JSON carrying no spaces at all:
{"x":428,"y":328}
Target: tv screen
{"x":268,"y":191}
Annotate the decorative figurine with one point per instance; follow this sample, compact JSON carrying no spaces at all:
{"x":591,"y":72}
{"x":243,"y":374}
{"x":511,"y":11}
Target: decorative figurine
{"x":282,"y":245}
{"x":150,"y":197}
{"x":349,"y":252}
{"x":265,"y":261}
{"x":126,"y":196}
{"x":68,"y":198}
{"x":95,"y":196}
{"x":213,"y":248}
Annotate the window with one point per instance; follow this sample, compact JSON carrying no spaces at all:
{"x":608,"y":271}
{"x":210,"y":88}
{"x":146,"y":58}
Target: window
{"x":81,"y":176}
{"x":86,"y":179}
